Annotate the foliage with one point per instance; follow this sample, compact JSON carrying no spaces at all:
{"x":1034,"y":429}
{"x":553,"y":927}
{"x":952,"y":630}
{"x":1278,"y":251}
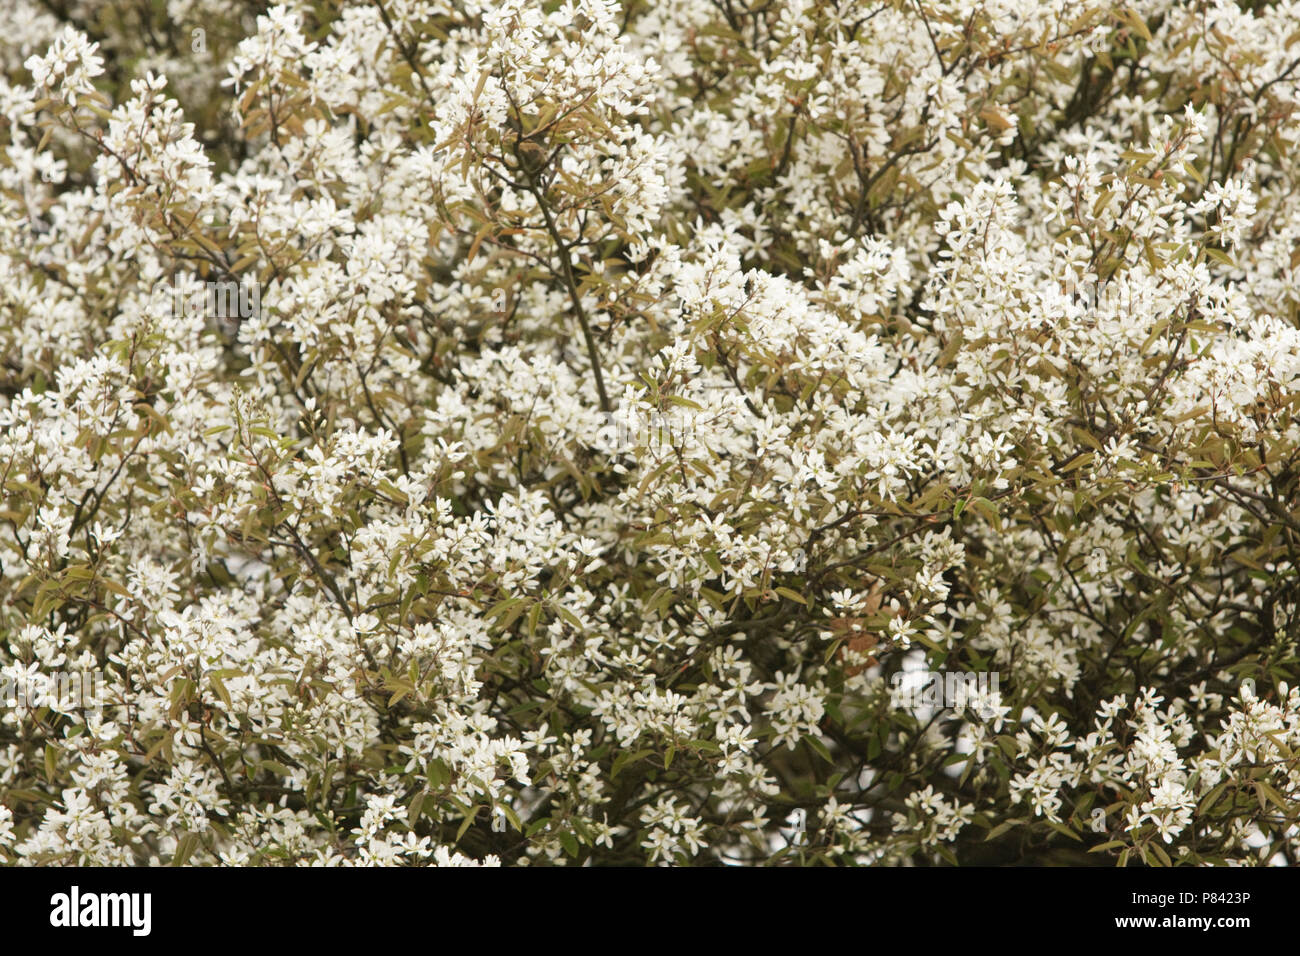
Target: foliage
{"x":634,"y":391}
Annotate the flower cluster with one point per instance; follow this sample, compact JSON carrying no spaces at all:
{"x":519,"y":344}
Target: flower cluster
{"x":633,"y":392}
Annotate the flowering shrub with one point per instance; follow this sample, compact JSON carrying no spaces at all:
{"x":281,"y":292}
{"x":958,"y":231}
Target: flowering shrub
{"x":628,"y":392}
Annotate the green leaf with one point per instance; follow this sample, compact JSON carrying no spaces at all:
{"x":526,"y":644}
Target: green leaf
{"x":465,"y":825}
{"x":185,"y":848}
{"x":1064,"y":830}
{"x":1002,"y":828}
{"x":819,"y":748}
{"x":792,"y":595}
{"x":413,"y":811}
{"x":1100,"y":848}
